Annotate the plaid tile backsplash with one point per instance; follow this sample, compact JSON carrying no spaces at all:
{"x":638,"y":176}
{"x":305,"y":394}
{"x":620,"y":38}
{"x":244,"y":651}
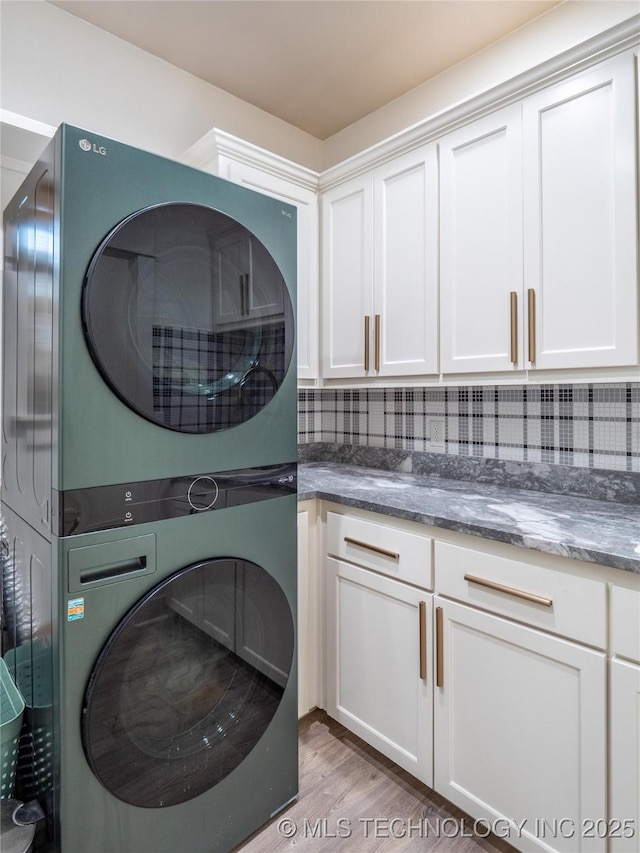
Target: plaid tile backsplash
{"x":589,"y":426}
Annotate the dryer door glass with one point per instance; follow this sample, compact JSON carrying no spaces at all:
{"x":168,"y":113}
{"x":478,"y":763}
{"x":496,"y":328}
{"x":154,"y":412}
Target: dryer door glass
{"x":187,"y":684}
{"x":188,"y":318}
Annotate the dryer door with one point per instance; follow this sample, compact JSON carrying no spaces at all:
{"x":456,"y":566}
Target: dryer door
{"x":188,"y":318}
{"x":188,"y":682}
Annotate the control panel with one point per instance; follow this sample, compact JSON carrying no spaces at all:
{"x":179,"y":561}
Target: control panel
{"x":125,"y":504}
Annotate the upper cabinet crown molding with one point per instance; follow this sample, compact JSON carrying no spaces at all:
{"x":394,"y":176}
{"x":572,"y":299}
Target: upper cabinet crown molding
{"x":22,"y":140}
{"x":590,"y":52}
{"x":218,"y":144}
{"x":253,"y":167}
{"x":23,"y":129}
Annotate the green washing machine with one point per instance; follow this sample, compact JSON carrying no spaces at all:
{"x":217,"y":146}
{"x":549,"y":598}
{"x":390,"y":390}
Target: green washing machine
{"x":148,"y":499}
{"x":161,"y":709}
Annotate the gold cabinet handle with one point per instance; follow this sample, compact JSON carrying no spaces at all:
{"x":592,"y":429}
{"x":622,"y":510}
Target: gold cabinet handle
{"x":423,"y":639}
{"x":375,"y":548}
{"x":514,"y":326}
{"x":531,"y":296}
{"x":439,"y":648}
{"x":377,"y":341}
{"x":518,"y":593}
{"x":367,"y":322}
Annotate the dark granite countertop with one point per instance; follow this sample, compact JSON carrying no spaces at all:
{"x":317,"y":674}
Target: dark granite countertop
{"x":582,"y":528}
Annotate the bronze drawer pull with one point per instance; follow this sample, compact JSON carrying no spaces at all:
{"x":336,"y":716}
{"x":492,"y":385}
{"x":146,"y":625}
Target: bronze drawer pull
{"x":514,"y":326}
{"x":423,"y":639}
{"x":518,"y":593}
{"x":367,"y":322}
{"x":439,"y":648}
{"x":531,"y":295}
{"x":376,"y":548}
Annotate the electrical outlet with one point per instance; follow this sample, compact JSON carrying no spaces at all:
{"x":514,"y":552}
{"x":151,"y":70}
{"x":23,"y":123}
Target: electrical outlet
{"x":437,"y":433}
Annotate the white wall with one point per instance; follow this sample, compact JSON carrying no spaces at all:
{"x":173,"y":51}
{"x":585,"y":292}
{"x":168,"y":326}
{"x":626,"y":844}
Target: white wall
{"x":561,"y":28}
{"x":57,"y":68}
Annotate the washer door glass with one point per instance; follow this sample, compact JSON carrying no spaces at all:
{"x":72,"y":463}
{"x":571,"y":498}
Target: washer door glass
{"x":187,"y":684}
{"x":188,"y":318}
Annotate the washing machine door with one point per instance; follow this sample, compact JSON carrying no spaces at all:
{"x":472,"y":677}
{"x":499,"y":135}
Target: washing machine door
{"x":188,"y":318}
{"x":188,"y":682}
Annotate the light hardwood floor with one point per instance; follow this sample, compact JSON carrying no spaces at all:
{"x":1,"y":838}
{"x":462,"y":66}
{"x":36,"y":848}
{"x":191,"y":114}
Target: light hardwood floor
{"x":354,"y":799}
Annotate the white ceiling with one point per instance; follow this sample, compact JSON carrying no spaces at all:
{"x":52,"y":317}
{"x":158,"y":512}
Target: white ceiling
{"x":319,"y":65}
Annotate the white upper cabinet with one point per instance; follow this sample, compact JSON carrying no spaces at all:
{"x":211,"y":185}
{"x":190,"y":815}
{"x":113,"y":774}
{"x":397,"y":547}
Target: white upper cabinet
{"x":580,"y":220}
{"x":380,"y":271}
{"x":347,"y":271}
{"x":406,"y":265}
{"x":481,"y":245}
{"x":538,"y":239}
{"x":306,"y":203}
{"x":266,"y":173}
{"x":258,"y":290}
{"x":502,"y":248}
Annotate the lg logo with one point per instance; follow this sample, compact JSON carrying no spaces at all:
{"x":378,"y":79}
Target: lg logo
{"x":91,"y":146}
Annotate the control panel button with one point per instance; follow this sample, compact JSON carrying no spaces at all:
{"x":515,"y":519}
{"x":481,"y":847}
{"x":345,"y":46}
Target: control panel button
{"x":203,"y":493}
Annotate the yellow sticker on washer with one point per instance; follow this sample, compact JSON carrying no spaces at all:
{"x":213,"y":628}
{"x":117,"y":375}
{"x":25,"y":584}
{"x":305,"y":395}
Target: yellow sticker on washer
{"x":75,"y":609}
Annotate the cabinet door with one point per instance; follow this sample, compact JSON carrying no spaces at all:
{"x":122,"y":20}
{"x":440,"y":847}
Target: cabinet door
{"x":306,"y":203}
{"x":580,"y":218}
{"x":247,"y":283}
{"x":265,"y":286}
{"x":310,"y":610}
{"x":379,"y":674}
{"x":481,"y":245}
{"x":347,"y":269}
{"x":262,"y":636}
{"x":406,"y":264}
{"x":624,"y":757}
{"x":232,"y":259}
{"x":520,"y":728}
{"x":217,"y":604}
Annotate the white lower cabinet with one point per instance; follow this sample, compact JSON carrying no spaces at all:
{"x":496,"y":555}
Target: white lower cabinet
{"x":624,"y":721}
{"x":378,"y":650}
{"x":520,"y":728}
{"x":520,"y":718}
{"x":309,"y":612}
{"x":376,"y":687}
{"x":506,"y":679}
{"x":624,"y":757}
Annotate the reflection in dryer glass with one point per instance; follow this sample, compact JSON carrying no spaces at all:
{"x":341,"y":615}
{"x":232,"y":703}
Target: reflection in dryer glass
{"x":188,"y":683}
{"x":181,"y":306}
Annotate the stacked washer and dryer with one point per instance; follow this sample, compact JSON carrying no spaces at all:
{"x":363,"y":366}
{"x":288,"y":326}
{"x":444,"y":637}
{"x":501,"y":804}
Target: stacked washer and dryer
{"x":148,"y":497}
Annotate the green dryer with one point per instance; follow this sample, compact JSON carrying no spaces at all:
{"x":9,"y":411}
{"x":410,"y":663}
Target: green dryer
{"x":148,"y":325}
